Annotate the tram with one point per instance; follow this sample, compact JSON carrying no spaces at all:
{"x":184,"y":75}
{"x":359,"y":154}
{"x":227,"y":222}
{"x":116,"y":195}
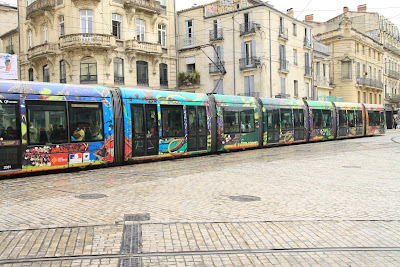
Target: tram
{"x":47,"y":126}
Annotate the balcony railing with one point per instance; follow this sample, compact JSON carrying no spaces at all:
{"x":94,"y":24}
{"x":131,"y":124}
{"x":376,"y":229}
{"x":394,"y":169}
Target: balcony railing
{"x":282,"y":95}
{"x":145,"y":47}
{"x":322,"y":81}
{"x":284,"y":33}
{"x":164,"y":83}
{"x":216,"y":68}
{"x":393,"y":98}
{"x":41,"y":5}
{"x":247,"y":28}
{"x":88,"y":79}
{"x":248,"y":63}
{"x":283,"y":65}
{"x":9,"y":49}
{"x":307,"y":42}
{"x":86,"y":39}
{"x":369,"y":82}
{"x":216,"y":34}
{"x":189,"y":79}
{"x":142,"y":82}
{"x":188,"y":42}
{"x":252,"y":94}
{"x":322,"y":49}
{"x":145,"y":5}
{"x":119,"y":80}
{"x":394,"y":74}
{"x":307,"y":71}
{"x":42,"y":49}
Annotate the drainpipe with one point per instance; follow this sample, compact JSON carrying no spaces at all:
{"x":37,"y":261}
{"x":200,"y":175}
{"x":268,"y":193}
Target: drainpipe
{"x":176,"y":21}
{"x":270,"y":57}
{"x":19,"y":44}
{"x":234,"y":58}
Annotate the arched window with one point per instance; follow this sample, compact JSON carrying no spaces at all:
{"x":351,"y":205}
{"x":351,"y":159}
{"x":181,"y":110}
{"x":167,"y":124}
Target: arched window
{"x":118,"y":70}
{"x":163,"y":75}
{"x":46,"y":74}
{"x":142,"y":75}
{"x":30,"y":74}
{"x":88,"y":70}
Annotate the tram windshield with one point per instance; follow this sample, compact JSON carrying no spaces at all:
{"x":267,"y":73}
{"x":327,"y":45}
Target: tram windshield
{"x":8,"y":122}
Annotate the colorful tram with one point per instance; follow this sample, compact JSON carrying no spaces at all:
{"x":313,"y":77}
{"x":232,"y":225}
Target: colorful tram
{"x":46,"y":126}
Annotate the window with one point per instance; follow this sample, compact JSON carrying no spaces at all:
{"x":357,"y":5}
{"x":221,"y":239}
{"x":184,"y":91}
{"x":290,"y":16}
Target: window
{"x":286,"y":119}
{"x":47,"y":121}
{"x":295,"y":57}
{"x":61,"y":29}
{"x":118,"y":70}
{"x":163,"y":75}
{"x":294,"y":29}
{"x":88,"y":70}
{"x":298,"y":118}
{"x":248,"y":52}
{"x":46,"y":74}
{"x":342,"y":118}
{"x":307,"y":64}
{"x":249,"y":85}
{"x":86,"y":21}
{"x":172,"y":121}
{"x":30,"y":75}
{"x":117,"y":26}
{"x":162,"y":35}
{"x":326,"y":118}
{"x":63,"y":73}
{"x":219,"y":87}
{"x":296,"y":88}
{"x":44,"y":30}
{"x":317,"y":118}
{"x":363,"y":50}
{"x":346,"y":70}
{"x":282,"y":58}
{"x":364,"y":97}
{"x":238,"y":121}
{"x":318,"y":71}
{"x":281,"y":28}
{"x":374,"y":118}
{"x":29,"y":39}
{"x":162,"y":3}
{"x":140,"y":30}
{"x":359,"y":121}
{"x":142,"y":75}
{"x":358,"y":70}
{"x":86,"y":122}
{"x":189,"y":28}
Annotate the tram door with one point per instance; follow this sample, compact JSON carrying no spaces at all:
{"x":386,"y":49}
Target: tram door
{"x":342,"y":123}
{"x":10,"y":135}
{"x":145,"y":129}
{"x":298,"y":124}
{"x":273,"y":126}
{"x":197,"y":128}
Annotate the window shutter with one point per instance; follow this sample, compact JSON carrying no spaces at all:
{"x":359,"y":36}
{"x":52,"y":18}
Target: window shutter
{"x":243,"y":50}
{"x":219,"y":24}
{"x":250,"y":17}
{"x":253,"y":48}
{"x":246,"y":85}
{"x":251,"y":84}
{"x":221,"y":55}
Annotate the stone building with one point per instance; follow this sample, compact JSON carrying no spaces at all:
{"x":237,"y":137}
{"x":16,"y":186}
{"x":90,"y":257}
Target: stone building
{"x":111,"y":42}
{"x":8,"y":28}
{"x":244,"y":48}
{"x":322,"y":72}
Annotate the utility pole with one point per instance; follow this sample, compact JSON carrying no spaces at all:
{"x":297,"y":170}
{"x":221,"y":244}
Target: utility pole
{"x":234,"y":59}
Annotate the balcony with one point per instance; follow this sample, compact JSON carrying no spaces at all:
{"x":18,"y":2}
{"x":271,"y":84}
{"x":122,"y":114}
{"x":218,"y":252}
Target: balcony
{"x":248,"y":63}
{"x":247,"y":28}
{"x":149,"y":6}
{"x":216,"y":35}
{"x":188,"y":42}
{"x":41,"y":50}
{"x":394,"y":74}
{"x":283,"y":95}
{"x":217,"y":68}
{"x":119,"y":80}
{"x":392,"y":48}
{"x":307,"y":42}
{"x":392,"y":98}
{"x":189,"y":79}
{"x":283,"y":34}
{"x":322,"y":49}
{"x":78,"y":40}
{"x":252,"y":94}
{"x":283,"y":65}
{"x":9,"y":49}
{"x":369,"y":82}
{"x":307,"y":71}
{"x":163,"y":83}
{"x":144,"y":47}
{"x":39,"y":6}
{"x":322,"y":81}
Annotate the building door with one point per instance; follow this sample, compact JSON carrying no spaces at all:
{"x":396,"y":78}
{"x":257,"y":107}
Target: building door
{"x":145,"y":130}
{"x":197,"y":128}
{"x":10,"y":135}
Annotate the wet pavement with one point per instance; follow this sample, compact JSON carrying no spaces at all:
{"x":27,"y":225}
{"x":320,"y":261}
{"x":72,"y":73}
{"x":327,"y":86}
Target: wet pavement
{"x":333,"y":203}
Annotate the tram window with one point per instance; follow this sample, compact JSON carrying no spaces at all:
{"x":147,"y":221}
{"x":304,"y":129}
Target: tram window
{"x":350,"y":114}
{"x":342,"y":118}
{"x":269,"y":119}
{"x":286,"y":119}
{"x":298,"y":118}
{"x":86,"y":122}
{"x":275,"y":119}
{"x":202,"y":116}
{"x":382,"y":117}
{"x":374,"y":118}
{"x":151,"y":121}
{"x":172,"y":121}
{"x":247,"y":121}
{"x":191,"y":111}
{"x":231,"y":121}
{"x":8,"y":122}
{"x":359,"y":117}
{"x":47,"y":121}
{"x":138,"y":122}
{"x":326,"y":118}
{"x":317,"y":113}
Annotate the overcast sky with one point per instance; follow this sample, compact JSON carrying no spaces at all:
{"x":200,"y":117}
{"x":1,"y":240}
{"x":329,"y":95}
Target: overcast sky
{"x":323,"y":10}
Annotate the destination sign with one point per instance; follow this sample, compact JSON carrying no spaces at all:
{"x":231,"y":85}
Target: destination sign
{"x":9,"y":142}
{"x":8,"y":101}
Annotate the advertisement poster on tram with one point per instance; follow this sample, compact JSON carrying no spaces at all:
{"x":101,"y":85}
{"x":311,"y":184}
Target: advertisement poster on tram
{"x":8,"y":67}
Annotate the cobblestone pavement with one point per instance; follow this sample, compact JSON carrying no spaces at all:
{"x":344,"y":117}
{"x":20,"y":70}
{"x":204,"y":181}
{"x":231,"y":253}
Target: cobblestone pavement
{"x":329,"y":203}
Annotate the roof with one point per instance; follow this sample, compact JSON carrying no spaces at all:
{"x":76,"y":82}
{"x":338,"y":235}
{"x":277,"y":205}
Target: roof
{"x":9,"y":33}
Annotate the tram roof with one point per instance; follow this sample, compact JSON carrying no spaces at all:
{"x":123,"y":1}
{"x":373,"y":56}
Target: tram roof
{"x":374,"y":107}
{"x":53,"y":89}
{"x":319,"y":104}
{"x":343,"y":105}
{"x":281,"y":102}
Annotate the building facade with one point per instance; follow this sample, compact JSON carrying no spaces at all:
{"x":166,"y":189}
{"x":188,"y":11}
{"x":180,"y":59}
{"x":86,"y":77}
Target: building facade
{"x":111,"y":42}
{"x":248,"y":48}
{"x":8,"y":26}
{"x":322,"y":72}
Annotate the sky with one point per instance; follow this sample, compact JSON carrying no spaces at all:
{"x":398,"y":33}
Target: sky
{"x":323,"y":10}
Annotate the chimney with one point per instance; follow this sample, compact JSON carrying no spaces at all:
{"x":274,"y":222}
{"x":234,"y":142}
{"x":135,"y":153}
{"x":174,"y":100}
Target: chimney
{"x":309,"y":18}
{"x":345,"y":9}
{"x":362,"y":8}
{"x":290,"y":12}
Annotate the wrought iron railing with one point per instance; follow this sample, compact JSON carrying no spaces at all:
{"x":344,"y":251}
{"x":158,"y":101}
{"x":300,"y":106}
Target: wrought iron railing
{"x":283,"y":65}
{"x":247,"y":28}
{"x":216,"y":34}
{"x":283,"y":33}
{"x":188,"y":42}
{"x":248,"y":63}
{"x":369,"y":82}
{"x":218,"y":67}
